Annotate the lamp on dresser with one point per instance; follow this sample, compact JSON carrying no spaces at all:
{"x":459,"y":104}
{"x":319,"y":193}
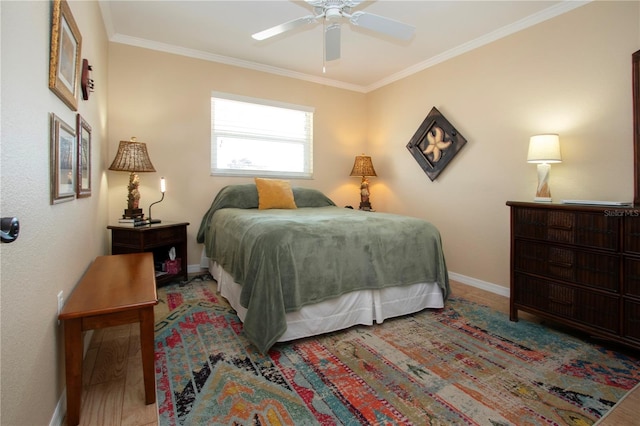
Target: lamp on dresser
{"x":363,"y":167}
{"x":132,"y":157}
{"x":544,"y":150}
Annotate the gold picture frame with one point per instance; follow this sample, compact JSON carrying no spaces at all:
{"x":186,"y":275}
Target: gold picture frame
{"x":63,"y":161}
{"x":64,"y":62}
{"x":83,"y":178}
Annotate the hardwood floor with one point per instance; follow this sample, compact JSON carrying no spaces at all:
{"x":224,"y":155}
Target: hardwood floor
{"x":113,"y":390}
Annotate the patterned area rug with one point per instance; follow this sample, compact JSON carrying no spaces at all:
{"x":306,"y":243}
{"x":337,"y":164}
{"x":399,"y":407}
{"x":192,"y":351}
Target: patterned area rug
{"x":464,"y":364}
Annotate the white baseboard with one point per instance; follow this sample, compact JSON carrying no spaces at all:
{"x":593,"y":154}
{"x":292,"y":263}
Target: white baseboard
{"x":484,"y":285}
{"x":60,"y":411}
{"x":195,"y":269}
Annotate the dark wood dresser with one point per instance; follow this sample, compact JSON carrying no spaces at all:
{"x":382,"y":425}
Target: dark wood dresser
{"x":578,"y":265}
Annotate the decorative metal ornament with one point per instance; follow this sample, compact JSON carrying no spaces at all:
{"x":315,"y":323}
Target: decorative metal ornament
{"x":435,"y":143}
{"x":86,"y":82}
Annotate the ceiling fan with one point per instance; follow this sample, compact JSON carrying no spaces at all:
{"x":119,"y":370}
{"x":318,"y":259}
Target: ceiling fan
{"x":332,"y":12}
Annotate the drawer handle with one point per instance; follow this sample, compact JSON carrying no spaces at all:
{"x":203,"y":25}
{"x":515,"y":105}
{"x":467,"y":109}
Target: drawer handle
{"x":561,"y":264}
{"x":562,"y":227}
{"x":561,"y":302}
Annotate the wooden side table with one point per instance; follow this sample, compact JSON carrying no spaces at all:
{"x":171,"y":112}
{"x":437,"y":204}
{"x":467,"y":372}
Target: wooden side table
{"x":115,"y":290}
{"x":157,"y":238}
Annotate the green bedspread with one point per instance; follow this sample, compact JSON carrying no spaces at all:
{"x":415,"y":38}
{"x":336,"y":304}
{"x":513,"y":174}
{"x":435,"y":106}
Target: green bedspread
{"x":286,"y":259}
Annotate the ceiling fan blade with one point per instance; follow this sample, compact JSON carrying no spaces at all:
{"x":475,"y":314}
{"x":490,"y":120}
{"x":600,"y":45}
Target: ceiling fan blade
{"x":381,"y":24}
{"x":323,"y":3}
{"x":332,"y":42}
{"x":352,"y":3}
{"x":287,"y":26}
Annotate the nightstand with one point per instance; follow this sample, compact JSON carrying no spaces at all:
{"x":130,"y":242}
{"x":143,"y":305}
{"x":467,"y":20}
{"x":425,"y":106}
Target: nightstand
{"x":157,"y":238}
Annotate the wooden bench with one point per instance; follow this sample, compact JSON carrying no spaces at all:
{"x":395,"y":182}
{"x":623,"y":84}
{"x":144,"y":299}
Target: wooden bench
{"x":115,"y":290}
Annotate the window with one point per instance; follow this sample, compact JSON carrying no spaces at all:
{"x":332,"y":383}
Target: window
{"x":252,"y":137}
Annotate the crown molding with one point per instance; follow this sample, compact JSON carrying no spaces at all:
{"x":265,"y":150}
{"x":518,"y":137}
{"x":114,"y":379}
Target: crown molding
{"x":198,"y":54}
{"x":546,"y":14}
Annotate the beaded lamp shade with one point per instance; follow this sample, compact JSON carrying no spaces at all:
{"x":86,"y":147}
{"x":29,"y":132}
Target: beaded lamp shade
{"x":363,"y":166}
{"x":132,"y":157}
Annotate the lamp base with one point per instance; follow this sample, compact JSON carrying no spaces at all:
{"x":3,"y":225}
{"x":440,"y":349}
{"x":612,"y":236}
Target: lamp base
{"x":132,"y":214}
{"x":155,"y":221}
{"x":365,"y":205}
{"x":543,"y":192}
{"x":542,"y":199}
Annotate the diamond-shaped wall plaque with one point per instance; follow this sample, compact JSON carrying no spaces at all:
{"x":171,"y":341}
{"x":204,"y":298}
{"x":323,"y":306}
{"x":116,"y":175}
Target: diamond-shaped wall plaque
{"x":435,"y":143}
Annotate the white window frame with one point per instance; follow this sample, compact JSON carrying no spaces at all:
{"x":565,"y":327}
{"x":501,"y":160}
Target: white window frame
{"x":251,"y":133}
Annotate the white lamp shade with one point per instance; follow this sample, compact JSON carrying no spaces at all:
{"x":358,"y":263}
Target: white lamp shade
{"x":544,"y":149}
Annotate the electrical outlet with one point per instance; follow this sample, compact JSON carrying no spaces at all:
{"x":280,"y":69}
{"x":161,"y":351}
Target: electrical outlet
{"x":60,"y":303}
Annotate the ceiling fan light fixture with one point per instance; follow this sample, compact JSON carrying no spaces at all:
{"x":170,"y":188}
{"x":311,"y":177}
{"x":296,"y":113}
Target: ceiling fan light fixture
{"x":333,"y":14}
{"x":333,"y":11}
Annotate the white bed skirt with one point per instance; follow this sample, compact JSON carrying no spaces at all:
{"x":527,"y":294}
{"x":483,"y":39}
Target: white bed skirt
{"x":360,"y":307}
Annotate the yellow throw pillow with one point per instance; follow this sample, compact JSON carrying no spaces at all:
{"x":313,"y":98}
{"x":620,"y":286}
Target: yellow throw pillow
{"x":274,"y":194}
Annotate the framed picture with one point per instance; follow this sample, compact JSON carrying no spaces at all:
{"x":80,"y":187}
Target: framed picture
{"x":64,"y":62}
{"x":83,"y":180}
{"x":63,"y":161}
{"x":435,"y":143}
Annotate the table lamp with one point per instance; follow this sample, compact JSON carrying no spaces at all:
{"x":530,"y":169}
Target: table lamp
{"x":163,"y":188}
{"x":363,"y":167}
{"x":132,"y":157}
{"x":544,"y":150}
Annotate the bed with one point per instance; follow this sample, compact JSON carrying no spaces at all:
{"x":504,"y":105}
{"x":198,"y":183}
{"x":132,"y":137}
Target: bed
{"x":308,"y":267}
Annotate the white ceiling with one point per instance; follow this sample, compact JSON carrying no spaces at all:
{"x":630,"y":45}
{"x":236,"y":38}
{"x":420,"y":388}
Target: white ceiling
{"x":221,"y":31}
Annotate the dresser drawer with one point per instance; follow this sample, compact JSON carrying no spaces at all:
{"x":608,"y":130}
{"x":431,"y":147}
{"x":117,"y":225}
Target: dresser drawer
{"x":591,"y":269}
{"x":162,"y":236}
{"x":631,"y":277}
{"x":631,"y":234}
{"x":589,"y":308}
{"x":127,"y":238}
{"x":632,"y":320}
{"x":148,"y":237}
{"x":587,"y":229}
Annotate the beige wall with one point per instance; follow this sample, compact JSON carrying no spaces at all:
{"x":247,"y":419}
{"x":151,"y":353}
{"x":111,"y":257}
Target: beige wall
{"x":164,"y":100}
{"x":570,"y":75}
{"x":56,"y":243}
